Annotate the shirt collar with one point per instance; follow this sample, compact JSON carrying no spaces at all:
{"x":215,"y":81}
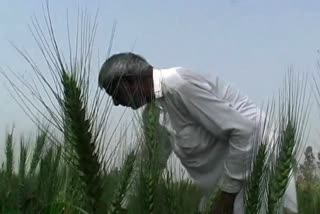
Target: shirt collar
{"x":157,"y":80}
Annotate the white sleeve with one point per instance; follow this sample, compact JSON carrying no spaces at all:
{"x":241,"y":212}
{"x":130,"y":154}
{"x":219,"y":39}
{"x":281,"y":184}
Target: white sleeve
{"x":222,"y":120}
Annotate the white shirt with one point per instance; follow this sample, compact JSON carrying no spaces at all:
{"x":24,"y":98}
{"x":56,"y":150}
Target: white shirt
{"x":210,"y":125}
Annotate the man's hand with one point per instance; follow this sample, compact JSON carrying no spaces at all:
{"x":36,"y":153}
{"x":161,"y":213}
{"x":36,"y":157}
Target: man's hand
{"x":224,"y":204}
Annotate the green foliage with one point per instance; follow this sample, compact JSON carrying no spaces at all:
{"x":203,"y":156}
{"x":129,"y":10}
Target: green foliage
{"x":280,"y":174}
{"x":40,"y":142}
{"x":308,"y":196}
{"x":308,"y":185}
{"x":119,"y":195}
{"x":213,"y":201}
{"x":44,"y":190}
{"x":9,"y":156}
{"x":80,"y":131}
{"x":253,"y":194}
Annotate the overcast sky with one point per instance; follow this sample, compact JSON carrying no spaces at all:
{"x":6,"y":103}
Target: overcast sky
{"x":249,"y":43}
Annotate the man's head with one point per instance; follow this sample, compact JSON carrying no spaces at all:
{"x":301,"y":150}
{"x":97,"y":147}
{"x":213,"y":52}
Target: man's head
{"x":128,"y":78}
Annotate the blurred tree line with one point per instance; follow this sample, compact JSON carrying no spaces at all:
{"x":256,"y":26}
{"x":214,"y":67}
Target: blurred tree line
{"x":309,"y":170}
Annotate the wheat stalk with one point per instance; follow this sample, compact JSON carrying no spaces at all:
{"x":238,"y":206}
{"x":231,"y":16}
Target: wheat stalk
{"x":23,"y":159}
{"x":9,"y":155}
{"x":169,"y":192}
{"x":124,"y":184}
{"x":212,"y":201}
{"x":149,"y":164}
{"x":81,"y":135}
{"x":254,"y":190}
{"x":293,"y":115}
{"x":65,"y":98}
{"x":281,"y":173}
{"x":255,"y":187}
{"x":40,"y":143}
{"x":22,"y":172}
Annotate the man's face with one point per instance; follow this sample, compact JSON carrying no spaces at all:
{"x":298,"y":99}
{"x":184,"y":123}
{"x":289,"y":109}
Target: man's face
{"x":128,"y":93}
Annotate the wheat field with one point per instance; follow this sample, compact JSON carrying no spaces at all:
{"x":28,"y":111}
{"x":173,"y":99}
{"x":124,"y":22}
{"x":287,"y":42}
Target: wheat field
{"x":66,"y":168}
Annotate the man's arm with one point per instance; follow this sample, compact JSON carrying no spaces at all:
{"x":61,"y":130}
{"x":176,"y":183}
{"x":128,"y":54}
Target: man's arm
{"x":220,"y":119}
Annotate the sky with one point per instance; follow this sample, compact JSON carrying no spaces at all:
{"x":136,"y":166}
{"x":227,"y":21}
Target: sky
{"x":249,"y":43}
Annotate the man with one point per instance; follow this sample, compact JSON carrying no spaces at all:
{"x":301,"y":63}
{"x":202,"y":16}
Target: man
{"x":211,"y":124}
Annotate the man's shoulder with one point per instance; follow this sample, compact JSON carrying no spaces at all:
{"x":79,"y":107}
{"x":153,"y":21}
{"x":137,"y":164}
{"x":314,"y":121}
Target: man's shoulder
{"x":184,"y":75}
{"x":195,"y":78}
{"x":185,"y":81}
{"x":173,"y":77}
